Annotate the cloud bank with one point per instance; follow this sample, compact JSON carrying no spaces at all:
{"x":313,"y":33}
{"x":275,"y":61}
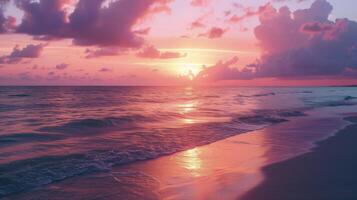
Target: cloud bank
{"x":223,"y":70}
{"x":93,"y":22}
{"x":304,"y":43}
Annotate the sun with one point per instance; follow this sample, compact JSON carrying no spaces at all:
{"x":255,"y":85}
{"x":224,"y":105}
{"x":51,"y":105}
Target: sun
{"x":191,"y":70}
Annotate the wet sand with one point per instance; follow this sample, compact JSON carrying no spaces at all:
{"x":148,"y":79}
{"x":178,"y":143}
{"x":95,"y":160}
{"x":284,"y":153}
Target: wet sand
{"x":225,"y":169}
{"x":327,"y":173}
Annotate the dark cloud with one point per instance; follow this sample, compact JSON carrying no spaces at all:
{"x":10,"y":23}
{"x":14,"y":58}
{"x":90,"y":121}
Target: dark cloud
{"x":46,"y":18}
{"x":91,"y":23}
{"x":314,"y":27}
{"x":299,"y":44}
{"x":214,"y":33}
{"x":153,"y":53}
{"x":61,"y":66}
{"x":18,"y":54}
{"x":30,"y":51}
{"x":291,"y":50}
{"x":105,"y":51}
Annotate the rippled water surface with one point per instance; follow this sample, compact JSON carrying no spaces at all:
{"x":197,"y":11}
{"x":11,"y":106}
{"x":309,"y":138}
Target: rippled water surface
{"x":49,"y":134}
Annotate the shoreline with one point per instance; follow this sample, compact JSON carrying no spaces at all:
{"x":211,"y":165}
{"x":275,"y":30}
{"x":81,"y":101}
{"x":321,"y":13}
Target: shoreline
{"x":327,"y":172}
{"x":225,"y":169}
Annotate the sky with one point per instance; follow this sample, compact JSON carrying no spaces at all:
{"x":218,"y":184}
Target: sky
{"x":178,"y":42}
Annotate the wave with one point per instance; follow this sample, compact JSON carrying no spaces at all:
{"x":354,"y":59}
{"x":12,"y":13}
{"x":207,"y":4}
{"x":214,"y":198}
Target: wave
{"x":140,"y":142}
{"x":275,"y":93}
{"x":298,"y":112}
{"x":19,"y":95}
{"x":20,"y":138}
{"x":347,"y":101}
{"x":297,"y":92}
{"x":336,"y":102}
{"x":260,"y":119}
{"x":258,"y":95}
{"x":41,"y":171}
{"x":264,"y":117}
{"x":7,"y":108}
{"x":91,"y":126}
{"x":149,"y":145}
{"x":291,"y":113}
{"x":347,"y":98}
{"x":45,"y":170}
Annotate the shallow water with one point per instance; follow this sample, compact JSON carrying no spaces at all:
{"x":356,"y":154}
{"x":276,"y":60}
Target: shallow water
{"x":51,"y":134}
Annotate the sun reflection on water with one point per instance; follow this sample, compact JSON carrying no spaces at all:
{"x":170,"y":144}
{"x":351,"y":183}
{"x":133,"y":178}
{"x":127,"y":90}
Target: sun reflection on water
{"x":187,"y":107}
{"x":191,"y":161}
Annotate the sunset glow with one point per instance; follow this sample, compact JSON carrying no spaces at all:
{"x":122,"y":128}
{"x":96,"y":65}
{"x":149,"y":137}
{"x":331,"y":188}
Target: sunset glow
{"x":158,"y":45}
{"x":178,"y":99}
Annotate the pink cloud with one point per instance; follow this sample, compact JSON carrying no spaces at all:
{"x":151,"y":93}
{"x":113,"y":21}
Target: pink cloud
{"x":199,"y":22}
{"x":299,"y":44}
{"x":153,"y":53}
{"x":223,"y":70}
{"x":199,"y":3}
{"x":214,"y":33}
{"x":248,"y":12}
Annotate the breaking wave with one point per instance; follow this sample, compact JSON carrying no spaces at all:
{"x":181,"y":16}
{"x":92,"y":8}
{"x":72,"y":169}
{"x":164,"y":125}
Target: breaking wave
{"x":91,"y":126}
{"x":152,"y":144}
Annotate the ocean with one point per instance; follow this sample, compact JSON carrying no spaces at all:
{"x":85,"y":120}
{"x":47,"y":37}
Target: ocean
{"x":52,"y":134}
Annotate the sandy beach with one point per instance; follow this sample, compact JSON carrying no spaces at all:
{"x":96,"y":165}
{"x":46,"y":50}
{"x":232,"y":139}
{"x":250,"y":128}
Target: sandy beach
{"x":326,"y":173}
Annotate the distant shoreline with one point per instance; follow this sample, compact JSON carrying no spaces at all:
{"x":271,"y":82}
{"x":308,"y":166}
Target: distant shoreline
{"x":327,"y":172}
